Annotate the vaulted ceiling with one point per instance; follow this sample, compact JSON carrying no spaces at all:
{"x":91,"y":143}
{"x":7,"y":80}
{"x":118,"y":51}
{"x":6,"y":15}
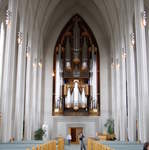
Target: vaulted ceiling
{"x":48,"y":13}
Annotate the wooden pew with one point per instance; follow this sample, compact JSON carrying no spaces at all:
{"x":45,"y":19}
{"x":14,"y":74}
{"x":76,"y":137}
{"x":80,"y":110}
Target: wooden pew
{"x":96,"y":145}
{"x":60,"y":143}
{"x":51,"y":145}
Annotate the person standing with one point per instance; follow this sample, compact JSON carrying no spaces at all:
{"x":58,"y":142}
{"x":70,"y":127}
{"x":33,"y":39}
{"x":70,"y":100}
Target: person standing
{"x":82,"y":142}
{"x":146,"y":146}
{"x":69,"y":139}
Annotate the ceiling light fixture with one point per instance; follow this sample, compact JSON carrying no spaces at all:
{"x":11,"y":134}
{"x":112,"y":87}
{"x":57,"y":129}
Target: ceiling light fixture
{"x":28,"y":52}
{"x":35,"y":63}
{"x":40,"y":63}
{"x":117,"y":64}
{"x":144,"y":18}
{"x":132,"y":36}
{"x":20,"y":38}
{"x":124,"y":54}
{"x":8,"y":17}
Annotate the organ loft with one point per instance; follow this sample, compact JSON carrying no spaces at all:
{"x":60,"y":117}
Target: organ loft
{"x":76,"y":71}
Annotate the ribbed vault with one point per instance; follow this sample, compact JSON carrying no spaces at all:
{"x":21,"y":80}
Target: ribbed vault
{"x":103,"y":12}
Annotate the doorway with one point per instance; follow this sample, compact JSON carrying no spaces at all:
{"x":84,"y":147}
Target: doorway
{"x":75,"y":132}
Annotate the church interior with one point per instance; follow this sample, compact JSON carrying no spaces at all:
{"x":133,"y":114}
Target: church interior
{"x":77,"y":68}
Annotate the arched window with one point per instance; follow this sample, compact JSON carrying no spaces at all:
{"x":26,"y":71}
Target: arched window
{"x":76,"y":71}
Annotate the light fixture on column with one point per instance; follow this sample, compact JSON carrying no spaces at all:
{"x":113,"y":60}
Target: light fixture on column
{"x":95,"y":110}
{"x":112,"y":64}
{"x":40,"y":63}
{"x":0,"y":117}
{"x":8,"y":17}
{"x":144,"y":18}
{"x":117,"y":64}
{"x":132,"y":36}
{"x":53,"y":74}
{"x":56,"y":110}
{"x":123,"y":53}
{"x":20,"y":38}
{"x":28,"y":52}
{"x":35,"y":63}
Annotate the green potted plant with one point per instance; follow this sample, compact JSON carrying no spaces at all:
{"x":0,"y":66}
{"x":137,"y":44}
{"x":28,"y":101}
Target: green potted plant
{"x":39,"y":134}
{"x":110,"y":126}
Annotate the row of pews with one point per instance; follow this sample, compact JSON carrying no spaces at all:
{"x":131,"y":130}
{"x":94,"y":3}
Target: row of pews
{"x":92,"y":144}
{"x":113,"y":145}
{"x":50,"y":145}
{"x":95,"y":145}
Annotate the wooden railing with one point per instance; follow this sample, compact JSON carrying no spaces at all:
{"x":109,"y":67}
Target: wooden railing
{"x":96,"y":145}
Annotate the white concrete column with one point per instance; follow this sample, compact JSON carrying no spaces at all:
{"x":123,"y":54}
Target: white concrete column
{"x":116,"y":87}
{"x":39,"y":88}
{"x":34,"y":73}
{"x":2,"y":44}
{"x":47,"y":101}
{"x":39,"y":97}
{"x":57,"y":79}
{"x":117,"y":103}
{"x":118,"y":94}
{"x":113,"y":80}
{"x":114,"y":73}
{"x":8,"y":80}
{"x":143,"y":91}
{"x":113,"y":89}
{"x":131,"y":97}
{"x":122,"y":110}
{"x":117,"y":66}
{"x":34,"y":96}
{"x":123,"y":113}
{"x":131,"y":90}
{"x":20,"y":85}
{"x":147,"y":43}
{"x":2,"y":54}
{"x":28,"y":102}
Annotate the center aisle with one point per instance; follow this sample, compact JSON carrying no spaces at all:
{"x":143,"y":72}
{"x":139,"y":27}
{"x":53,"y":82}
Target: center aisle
{"x":72,"y":147}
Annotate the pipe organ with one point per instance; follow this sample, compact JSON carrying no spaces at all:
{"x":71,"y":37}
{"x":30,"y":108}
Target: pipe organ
{"x":76,"y":67}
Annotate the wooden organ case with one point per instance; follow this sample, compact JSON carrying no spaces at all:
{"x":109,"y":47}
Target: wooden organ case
{"x":76,"y":71}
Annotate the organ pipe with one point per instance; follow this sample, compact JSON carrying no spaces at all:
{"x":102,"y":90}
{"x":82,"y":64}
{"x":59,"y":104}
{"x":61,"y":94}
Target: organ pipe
{"x":68,"y":54}
{"x":76,"y":96}
{"x":58,"y":79}
{"x":93,"y":79}
{"x":84,"y":99}
{"x":68,"y":99}
{"x":76,"y":43}
{"x":84,"y":54}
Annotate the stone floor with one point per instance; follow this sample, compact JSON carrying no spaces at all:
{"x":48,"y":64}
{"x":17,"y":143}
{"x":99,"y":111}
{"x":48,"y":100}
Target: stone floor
{"x":72,"y":147}
{"x":116,"y":145}
{"x":18,"y":146}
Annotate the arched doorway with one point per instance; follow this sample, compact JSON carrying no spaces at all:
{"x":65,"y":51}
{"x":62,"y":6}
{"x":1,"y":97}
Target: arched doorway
{"x":76,"y":71}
